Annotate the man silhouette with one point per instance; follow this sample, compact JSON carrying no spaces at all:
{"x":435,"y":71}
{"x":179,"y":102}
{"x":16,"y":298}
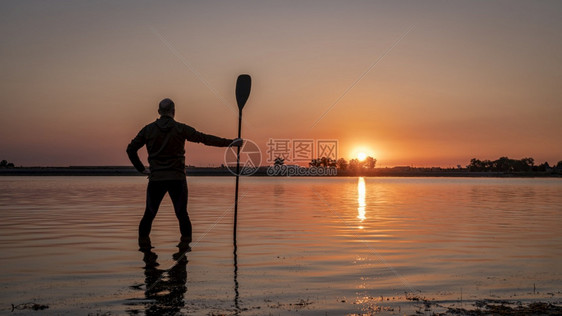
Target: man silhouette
{"x":165,"y":142}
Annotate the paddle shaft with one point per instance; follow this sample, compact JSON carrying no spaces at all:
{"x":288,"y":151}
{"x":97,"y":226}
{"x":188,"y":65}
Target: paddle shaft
{"x":237,"y":174}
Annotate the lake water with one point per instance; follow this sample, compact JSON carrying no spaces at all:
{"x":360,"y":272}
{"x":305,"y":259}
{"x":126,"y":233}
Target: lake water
{"x":310,"y":246}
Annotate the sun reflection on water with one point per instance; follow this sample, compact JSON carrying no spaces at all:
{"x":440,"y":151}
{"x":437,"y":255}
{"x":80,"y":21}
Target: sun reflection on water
{"x":361,"y":199}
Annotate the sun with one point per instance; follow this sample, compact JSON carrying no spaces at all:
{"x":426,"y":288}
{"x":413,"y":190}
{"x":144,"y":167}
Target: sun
{"x":361,"y":156}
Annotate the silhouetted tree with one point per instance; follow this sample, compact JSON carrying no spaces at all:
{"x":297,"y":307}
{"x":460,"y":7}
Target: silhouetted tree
{"x":505,"y":164}
{"x":369,"y":162}
{"x":355,"y":164}
{"x":314,"y":163}
{"x":528,"y":163}
{"x":6,"y":164}
{"x":342,"y":164}
{"x":474,"y":165}
{"x":542,"y":167}
{"x":478,"y":165}
{"x":327,"y":162}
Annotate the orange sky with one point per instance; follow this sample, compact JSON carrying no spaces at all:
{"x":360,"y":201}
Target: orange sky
{"x":468,"y":80}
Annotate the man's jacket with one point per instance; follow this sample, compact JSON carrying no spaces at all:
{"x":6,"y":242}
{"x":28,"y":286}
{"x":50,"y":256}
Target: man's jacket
{"x":165,"y":141}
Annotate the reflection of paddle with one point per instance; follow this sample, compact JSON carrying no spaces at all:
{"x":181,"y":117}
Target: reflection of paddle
{"x":243,"y":86}
{"x":236,"y":292}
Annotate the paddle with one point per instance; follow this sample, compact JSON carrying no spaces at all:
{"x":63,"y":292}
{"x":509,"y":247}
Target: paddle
{"x":243,"y":86}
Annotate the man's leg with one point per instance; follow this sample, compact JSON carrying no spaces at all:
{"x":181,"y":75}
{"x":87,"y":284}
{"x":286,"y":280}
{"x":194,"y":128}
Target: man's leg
{"x":178,"y":194}
{"x":155,"y":192}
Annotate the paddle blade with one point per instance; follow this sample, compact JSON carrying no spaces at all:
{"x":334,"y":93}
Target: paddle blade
{"x":243,"y":86}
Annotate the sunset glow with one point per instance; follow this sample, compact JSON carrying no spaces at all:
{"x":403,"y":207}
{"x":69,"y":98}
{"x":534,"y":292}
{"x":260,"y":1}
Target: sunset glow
{"x":394,"y":81}
{"x":361,"y":156}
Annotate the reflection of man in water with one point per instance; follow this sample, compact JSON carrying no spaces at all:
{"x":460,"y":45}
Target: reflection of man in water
{"x":164,"y":295}
{"x":165,"y":140}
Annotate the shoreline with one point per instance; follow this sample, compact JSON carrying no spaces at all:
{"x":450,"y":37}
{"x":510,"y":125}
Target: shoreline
{"x":416,"y":306}
{"x":262,"y":172}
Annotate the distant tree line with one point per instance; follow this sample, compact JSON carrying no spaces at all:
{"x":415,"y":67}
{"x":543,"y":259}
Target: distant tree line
{"x":367,"y":163}
{"x":505,"y":164}
{"x":342,"y":164}
{"x":6,"y":164}
{"x":502,"y":164}
{"x":323,"y":162}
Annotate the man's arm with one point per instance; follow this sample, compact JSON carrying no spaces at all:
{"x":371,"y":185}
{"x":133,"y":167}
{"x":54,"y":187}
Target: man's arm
{"x":133,"y":148}
{"x":192,"y":135}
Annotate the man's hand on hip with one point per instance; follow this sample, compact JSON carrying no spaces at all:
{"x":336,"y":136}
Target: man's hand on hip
{"x":146,"y":172}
